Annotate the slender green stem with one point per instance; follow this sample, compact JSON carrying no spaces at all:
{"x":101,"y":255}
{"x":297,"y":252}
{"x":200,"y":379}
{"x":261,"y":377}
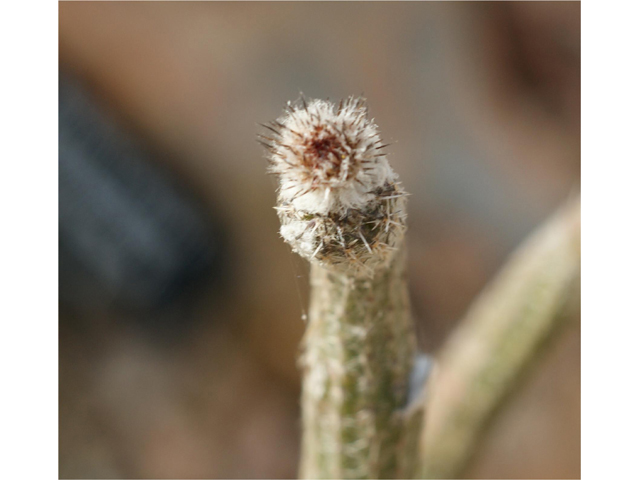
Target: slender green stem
{"x":359,"y":350}
{"x":501,"y":337}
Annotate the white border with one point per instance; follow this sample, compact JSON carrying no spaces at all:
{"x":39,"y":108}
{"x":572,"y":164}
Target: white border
{"x":29,"y":240}
{"x":611,"y":240}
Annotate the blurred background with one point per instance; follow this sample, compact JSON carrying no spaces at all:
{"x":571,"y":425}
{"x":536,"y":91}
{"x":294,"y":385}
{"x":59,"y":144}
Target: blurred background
{"x":180,"y":306}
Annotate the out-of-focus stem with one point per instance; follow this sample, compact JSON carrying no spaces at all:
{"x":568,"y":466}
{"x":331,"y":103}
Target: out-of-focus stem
{"x":502,"y":335}
{"x":359,"y":350}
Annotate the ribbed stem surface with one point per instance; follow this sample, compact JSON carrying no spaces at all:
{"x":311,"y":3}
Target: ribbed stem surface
{"x":359,"y":350}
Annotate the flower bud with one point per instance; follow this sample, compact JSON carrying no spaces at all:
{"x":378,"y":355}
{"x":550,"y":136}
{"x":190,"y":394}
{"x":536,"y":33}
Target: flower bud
{"x":339,"y":201}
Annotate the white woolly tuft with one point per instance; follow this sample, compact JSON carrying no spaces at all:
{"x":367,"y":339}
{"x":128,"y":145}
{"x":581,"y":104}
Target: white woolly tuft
{"x":328,"y":158}
{"x":336,"y":187}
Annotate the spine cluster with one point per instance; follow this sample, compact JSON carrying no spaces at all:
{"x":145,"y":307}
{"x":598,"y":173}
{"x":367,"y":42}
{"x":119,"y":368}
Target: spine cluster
{"x":339,"y":202}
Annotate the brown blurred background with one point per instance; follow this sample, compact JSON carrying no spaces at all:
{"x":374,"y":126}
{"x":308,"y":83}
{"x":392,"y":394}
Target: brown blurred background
{"x":482,"y":102}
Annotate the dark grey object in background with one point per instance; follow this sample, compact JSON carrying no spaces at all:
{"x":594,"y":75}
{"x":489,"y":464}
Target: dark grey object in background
{"x":127,"y":234}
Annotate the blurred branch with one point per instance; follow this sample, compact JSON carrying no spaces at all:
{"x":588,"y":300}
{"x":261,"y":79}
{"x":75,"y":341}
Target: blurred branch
{"x":503,"y":334}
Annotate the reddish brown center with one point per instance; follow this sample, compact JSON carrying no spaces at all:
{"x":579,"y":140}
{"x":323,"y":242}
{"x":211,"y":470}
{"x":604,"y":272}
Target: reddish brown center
{"x":324,"y":153}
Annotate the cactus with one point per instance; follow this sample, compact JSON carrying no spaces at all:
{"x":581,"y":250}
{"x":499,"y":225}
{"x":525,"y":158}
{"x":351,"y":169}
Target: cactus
{"x":342,"y":208}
